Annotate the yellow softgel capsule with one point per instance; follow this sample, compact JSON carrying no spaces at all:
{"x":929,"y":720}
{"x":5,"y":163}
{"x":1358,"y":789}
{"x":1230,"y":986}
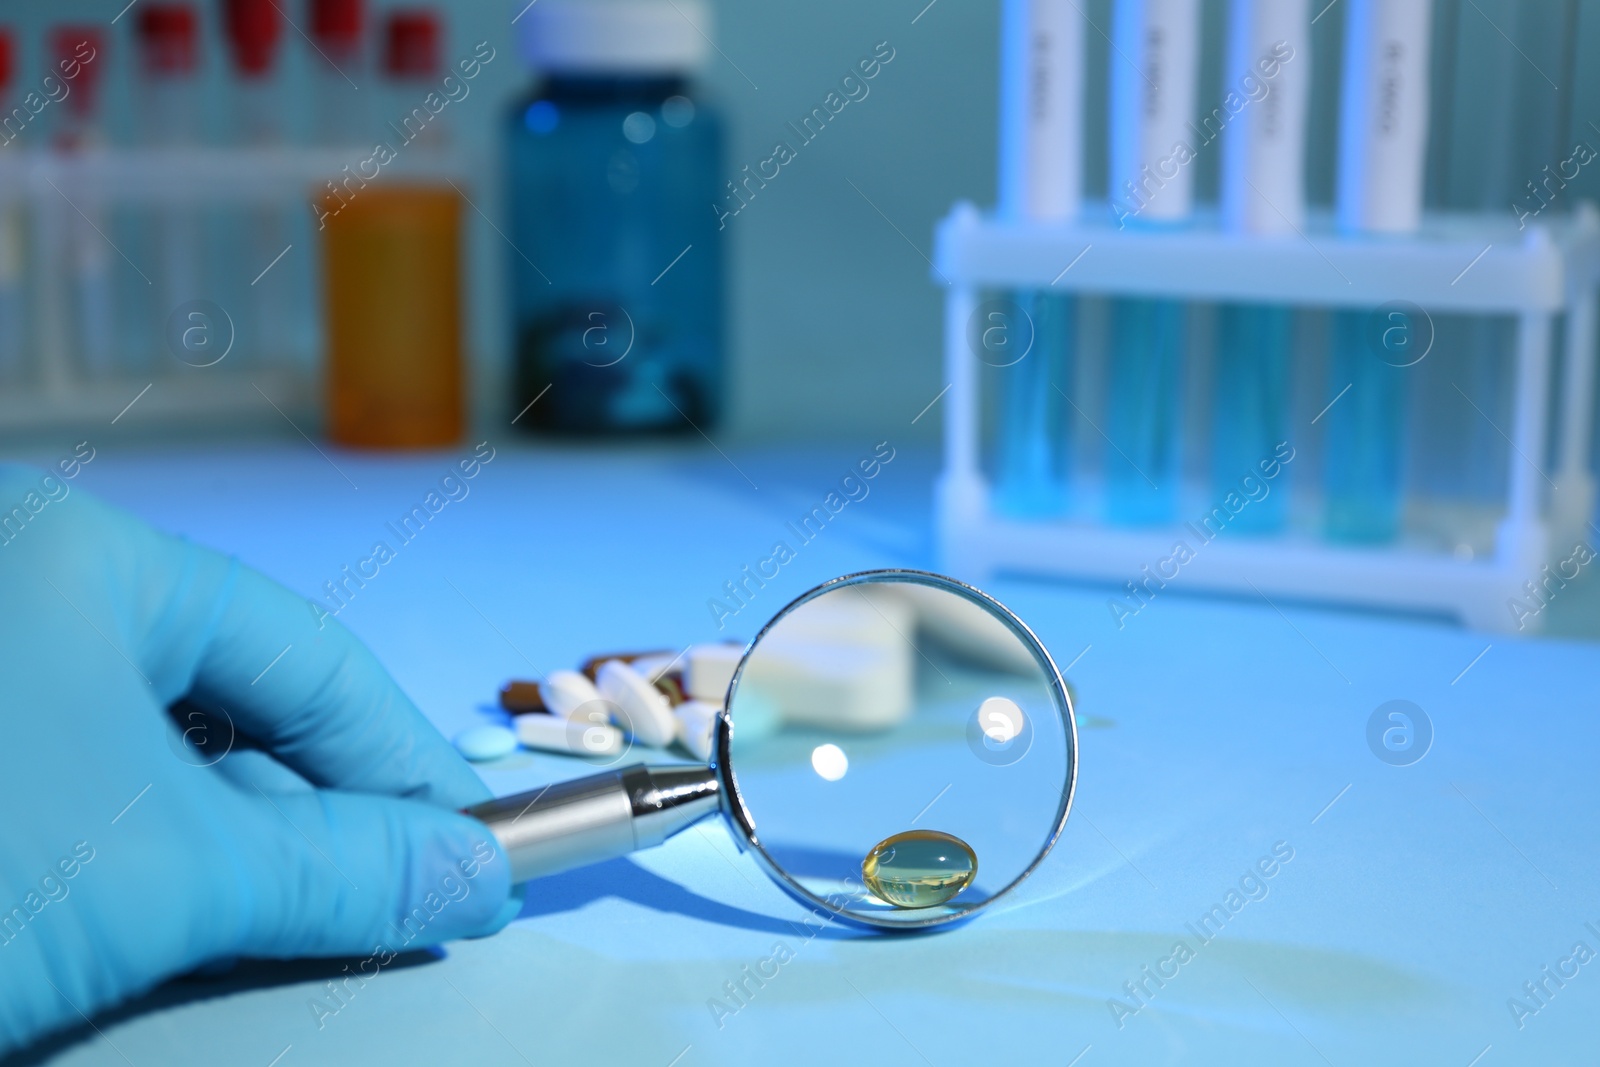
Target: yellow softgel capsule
{"x":919,"y":868}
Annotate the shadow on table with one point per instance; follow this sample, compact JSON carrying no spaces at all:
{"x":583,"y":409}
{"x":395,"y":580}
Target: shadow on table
{"x":245,"y":976}
{"x":626,"y":880}
{"x":569,"y":891}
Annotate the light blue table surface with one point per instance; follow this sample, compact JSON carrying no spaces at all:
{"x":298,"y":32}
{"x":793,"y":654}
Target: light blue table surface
{"x":1418,"y":902}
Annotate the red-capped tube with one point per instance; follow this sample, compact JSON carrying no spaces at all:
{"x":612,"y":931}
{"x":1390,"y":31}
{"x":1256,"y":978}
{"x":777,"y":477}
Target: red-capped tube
{"x":79,"y":53}
{"x":8,"y":57}
{"x":253,"y":28}
{"x":411,"y":44}
{"x":337,"y":23}
{"x":169,"y":39}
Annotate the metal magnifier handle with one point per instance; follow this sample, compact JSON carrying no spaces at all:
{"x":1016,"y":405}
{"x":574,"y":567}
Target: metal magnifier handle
{"x":587,"y":820}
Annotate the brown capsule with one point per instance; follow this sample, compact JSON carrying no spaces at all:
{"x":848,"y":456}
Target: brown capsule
{"x":519,"y":697}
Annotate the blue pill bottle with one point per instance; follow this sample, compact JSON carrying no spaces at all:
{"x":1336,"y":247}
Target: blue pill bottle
{"x":615,"y":243}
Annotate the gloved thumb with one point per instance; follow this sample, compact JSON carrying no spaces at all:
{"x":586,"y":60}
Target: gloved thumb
{"x":350,"y":874}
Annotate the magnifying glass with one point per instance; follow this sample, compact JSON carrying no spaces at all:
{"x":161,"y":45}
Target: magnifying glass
{"x":897,"y":749}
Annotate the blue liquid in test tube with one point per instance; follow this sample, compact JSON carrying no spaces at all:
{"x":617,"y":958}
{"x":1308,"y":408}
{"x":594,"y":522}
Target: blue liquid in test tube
{"x":1251,"y":399}
{"x":1366,"y":427}
{"x":1141,"y":465}
{"x":1032,"y":448}
{"x":1383,"y":130}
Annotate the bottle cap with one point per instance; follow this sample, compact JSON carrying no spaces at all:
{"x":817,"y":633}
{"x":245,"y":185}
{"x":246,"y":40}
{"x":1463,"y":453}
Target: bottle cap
{"x":411,"y":44}
{"x":253,"y":28}
{"x":84,"y":46}
{"x":168,"y":37}
{"x":337,"y":23}
{"x":615,"y":36}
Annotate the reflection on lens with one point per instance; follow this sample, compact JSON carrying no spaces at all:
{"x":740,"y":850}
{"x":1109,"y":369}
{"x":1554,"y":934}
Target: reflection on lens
{"x":830,"y":762}
{"x":884,"y":702}
{"x":919,"y":868}
{"x":1000,"y":719}
{"x":999,"y":732}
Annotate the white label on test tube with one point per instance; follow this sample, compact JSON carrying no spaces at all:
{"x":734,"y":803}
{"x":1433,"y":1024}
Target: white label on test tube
{"x":1041,"y":109}
{"x":1383,"y":122}
{"x":1155,"y":62}
{"x":1269,"y":79}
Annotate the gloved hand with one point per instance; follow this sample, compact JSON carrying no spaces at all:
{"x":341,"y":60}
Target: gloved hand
{"x":125,"y":858}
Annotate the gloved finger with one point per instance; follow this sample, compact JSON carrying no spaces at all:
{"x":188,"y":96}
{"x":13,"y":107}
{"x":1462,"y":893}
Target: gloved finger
{"x":191,"y":621}
{"x":296,"y":681}
{"x":343,"y":874}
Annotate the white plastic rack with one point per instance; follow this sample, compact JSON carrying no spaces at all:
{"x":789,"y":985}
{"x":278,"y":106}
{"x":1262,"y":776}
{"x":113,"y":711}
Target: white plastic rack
{"x":1479,"y":265}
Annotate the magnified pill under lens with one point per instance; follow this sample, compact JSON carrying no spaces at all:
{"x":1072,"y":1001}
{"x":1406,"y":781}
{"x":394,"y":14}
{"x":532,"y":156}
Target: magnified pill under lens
{"x":896,"y":748}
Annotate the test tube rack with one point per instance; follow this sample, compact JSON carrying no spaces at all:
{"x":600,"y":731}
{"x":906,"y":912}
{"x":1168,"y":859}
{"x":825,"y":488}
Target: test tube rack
{"x":1544,"y":275}
{"x":57,"y":387}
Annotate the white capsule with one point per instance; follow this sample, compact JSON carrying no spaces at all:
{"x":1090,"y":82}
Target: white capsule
{"x":564,"y":692}
{"x":697,"y":726}
{"x":551,"y":733}
{"x":710,"y":670}
{"x":646,"y":712}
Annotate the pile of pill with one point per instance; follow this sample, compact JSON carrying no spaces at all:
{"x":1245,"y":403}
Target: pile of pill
{"x":845,"y":661}
{"x":653,"y":698}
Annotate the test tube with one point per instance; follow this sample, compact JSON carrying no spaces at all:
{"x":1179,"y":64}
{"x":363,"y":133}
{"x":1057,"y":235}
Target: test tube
{"x":12,"y":237}
{"x":82,"y":48}
{"x":254,"y":29}
{"x":1499,"y":139}
{"x":412,"y":64}
{"x":1041,"y":121}
{"x":1033,"y":440}
{"x":1143,"y":413}
{"x":1263,"y":182}
{"x":1382,"y":138}
{"x":337,"y":29}
{"x":1041,"y":110}
{"x":1153,"y":86}
{"x":169,"y":59}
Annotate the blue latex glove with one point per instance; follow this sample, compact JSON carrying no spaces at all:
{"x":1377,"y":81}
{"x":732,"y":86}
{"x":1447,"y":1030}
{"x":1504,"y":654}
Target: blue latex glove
{"x":124,"y":862}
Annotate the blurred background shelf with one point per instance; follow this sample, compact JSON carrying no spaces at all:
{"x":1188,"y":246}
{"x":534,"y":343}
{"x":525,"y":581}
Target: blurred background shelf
{"x":101,"y":193}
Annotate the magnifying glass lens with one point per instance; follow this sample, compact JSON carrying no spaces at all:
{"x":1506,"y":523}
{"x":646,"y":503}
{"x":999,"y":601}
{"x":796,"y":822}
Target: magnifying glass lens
{"x":899,"y":748}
